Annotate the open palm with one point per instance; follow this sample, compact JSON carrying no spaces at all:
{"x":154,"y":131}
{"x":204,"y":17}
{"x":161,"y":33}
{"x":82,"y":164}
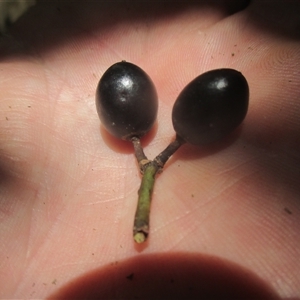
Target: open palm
{"x":224,"y":219}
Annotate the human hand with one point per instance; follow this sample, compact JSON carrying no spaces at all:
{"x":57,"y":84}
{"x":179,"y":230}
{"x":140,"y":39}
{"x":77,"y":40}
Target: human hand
{"x":224,"y":219}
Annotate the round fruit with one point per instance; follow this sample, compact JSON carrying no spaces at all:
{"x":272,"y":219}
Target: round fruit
{"x":126,"y":101}
{"x":211,"y":106}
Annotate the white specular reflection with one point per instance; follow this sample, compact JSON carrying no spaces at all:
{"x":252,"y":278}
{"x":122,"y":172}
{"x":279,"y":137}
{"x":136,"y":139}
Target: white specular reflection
{"x":127,"y":82}
{"x":219,"y":84}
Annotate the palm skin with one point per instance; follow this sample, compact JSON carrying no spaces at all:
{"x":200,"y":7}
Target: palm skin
{"x":69,"y":190}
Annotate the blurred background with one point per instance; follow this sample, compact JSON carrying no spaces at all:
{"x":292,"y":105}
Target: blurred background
{"x":11,"y":10}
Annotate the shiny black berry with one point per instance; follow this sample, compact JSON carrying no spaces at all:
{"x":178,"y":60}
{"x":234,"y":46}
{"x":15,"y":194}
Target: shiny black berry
{"x":211,"y":106}
{"x":126,"y":101}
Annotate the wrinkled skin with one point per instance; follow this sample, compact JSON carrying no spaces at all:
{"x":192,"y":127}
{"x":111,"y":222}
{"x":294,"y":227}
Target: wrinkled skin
{"x":69,"y":190}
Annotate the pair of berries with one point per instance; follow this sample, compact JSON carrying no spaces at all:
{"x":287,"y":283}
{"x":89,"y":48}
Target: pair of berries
{"x":208,"y":109}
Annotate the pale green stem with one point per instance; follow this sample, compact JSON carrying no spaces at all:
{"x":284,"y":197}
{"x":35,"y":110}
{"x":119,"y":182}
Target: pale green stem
{"x":149,"y":169}
{"x":141,"y":220}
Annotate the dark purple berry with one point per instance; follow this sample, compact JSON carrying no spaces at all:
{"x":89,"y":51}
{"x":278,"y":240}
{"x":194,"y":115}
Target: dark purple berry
{"x":126,"y":101}
{"x":211,"y":106}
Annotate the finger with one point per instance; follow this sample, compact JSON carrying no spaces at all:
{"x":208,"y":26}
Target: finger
{"x":280,"y":17}
{"x":50,"y":24}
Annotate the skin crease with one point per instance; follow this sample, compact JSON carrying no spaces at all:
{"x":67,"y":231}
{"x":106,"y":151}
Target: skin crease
{"x":69,"y":190}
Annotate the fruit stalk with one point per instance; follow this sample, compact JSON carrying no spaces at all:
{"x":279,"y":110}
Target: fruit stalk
{"x":149,"y":169}
{"x":163,"y":157}
{"x":139,"y":153}
{"x":142,"y":215}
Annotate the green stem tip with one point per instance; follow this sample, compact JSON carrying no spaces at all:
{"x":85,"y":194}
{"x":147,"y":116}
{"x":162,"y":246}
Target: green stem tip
{"x":141,"y":220}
